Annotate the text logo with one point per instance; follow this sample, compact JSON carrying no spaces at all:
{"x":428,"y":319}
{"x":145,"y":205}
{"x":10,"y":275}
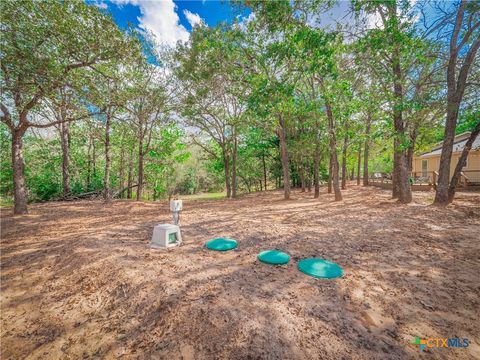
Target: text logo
{"x":440,"y":343}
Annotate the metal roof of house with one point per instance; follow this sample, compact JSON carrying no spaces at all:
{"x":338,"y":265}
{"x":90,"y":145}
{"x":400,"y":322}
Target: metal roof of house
{"x":457,"y":146}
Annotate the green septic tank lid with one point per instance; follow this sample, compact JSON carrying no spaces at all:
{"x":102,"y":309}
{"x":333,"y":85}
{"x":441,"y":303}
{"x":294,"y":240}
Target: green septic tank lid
{"x":273,"y":257}
{"x":221,"y":244}
{"x":320,"y":268}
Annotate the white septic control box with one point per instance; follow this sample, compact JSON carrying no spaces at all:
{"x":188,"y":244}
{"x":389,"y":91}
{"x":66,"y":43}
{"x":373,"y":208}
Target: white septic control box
{"x":176,"y":205}
{"x":165,"y":236}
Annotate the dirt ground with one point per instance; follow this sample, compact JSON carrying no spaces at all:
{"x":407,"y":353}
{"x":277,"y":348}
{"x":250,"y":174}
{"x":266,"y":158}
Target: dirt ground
{"x":78,"y":279}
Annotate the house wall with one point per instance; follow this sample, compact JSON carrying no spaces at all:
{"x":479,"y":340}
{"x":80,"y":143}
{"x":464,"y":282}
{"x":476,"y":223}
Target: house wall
{"x":433,"y":162}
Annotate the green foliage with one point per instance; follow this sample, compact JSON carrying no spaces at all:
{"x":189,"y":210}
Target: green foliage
{"x":167,"y":153}
{"x":45,"y":44}
{"x":42,"y":171}
{"x":468,"y":120}
{"x":6,"y":172}
{"x":218,"y":105}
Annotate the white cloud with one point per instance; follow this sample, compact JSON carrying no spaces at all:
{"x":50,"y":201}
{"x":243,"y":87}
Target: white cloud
{"x":244,"y":21}
{"x":100,"y":4}
{"x":160,"y":18}
{"x":120,"y":3}
{"x":374,"y":21}
{"x":193,"y":19}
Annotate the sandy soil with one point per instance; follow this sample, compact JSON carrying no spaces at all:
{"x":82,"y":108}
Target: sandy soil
{"x":79,"y":280}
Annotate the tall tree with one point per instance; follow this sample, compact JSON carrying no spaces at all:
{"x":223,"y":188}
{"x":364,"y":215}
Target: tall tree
{"x":464,"y":26}
{"x":65,"y":106}
{"x":110,"y":96}
{"x":394,"y":44}
{"x":147,"y":105}
{"x":462,"y":160}
{"x":42,"y":45}
{"x":210,"y":93}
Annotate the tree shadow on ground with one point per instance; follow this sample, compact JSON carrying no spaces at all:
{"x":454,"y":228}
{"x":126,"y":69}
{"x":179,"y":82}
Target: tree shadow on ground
{"x":93,"y":288}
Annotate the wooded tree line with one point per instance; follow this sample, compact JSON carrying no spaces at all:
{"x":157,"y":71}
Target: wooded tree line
{"x":274,"y":99}
{"x":72,"y":80}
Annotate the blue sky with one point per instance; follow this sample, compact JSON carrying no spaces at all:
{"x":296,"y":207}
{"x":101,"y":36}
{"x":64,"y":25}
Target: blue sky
{"x":169,"y":20}
{"x":172,"y":20}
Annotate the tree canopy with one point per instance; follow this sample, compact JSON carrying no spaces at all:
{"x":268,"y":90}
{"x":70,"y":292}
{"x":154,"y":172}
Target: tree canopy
{"x":275,"y":99}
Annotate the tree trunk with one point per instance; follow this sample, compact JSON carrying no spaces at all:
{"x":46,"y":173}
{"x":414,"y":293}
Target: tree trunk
{"x":359,"y":163}
{"x":247,"y":184}
{"x":309,"y":181}
{"x":226,"y":164}
{"x":335,"y":180}
{"x":462,"y":162}
{"x":400,"y":161}
{"x":234,"y":167}
{"x":284,"y":157}
{"x":65,"y":142}
{"x":155,"y":192}
{"x":19,"y":184}
{"x":130,"y":174}
{"x":94,"y":159}
{"x":264,"y":172}
{"x":401,"y":176}
{"x":140,"y":162}
{"x":121,"y":174}
{"x":329,"y":187}
{"x":140,"y":177}
{"x":441,"y":195}
{"x":106,"y":178}
{"x":301,"y":174}
{"x":455,"y":91}
{"x":366,"y":151}
{"x":316,"y":169}
{"x":396,"y":168}
{"x":344,"y":162}
{"x":333,"y":153}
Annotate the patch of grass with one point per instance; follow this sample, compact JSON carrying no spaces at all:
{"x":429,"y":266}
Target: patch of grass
{"x":6,"y":202}
{"x":204,"y":196}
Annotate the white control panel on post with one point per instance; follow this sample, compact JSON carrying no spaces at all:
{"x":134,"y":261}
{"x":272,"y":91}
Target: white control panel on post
{"x":176,"y":205}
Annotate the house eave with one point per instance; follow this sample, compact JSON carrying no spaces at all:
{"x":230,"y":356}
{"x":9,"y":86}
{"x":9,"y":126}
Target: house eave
{"x":438,"y":155}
